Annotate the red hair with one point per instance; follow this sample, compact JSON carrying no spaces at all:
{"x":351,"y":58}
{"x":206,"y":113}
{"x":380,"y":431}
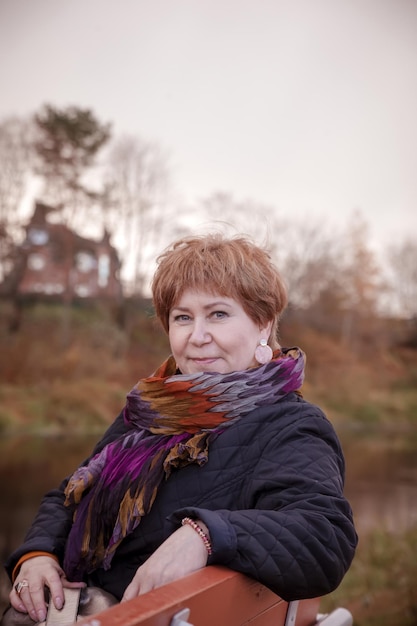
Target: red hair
{"x":233,"y":267}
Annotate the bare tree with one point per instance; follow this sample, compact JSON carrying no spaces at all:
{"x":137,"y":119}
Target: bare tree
{"x":136,"y":209}
{"x":361,"y":273}
{"x":361,"y":278}
{"x":222,"y":211}
{"x":15,"y":172}
{"x":308,"y":253}
{"x":402,"y":259}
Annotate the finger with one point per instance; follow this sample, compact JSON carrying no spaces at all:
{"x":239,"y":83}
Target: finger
{"x":23,"y":602}
{"x":16,"y":602}
{"x":56,"y":591}
{"x":131,"y":591}
{"x":36,"y":602}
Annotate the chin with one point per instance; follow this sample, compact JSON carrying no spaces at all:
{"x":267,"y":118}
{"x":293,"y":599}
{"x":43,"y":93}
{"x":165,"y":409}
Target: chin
{"x":209,"y":368}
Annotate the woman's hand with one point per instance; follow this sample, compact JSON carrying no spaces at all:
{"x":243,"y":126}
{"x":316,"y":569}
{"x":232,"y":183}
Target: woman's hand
{"x":182,"y":553}
{"x":38,"y":572}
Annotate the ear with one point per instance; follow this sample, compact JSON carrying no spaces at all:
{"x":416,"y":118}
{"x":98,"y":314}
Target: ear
{"x":266,"y":330}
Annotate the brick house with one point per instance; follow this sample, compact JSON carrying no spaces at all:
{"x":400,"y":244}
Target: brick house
{"x":58,"y":262}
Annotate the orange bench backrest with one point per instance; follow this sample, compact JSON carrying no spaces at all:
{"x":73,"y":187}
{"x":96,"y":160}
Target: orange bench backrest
{"x":215,"y":596}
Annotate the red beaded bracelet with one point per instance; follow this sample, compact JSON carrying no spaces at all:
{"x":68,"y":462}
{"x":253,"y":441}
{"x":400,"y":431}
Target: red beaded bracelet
{"x":200,"y":531}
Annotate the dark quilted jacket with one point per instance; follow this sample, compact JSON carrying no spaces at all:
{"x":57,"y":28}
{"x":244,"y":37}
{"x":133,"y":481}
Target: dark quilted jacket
{"x":271,"y":495}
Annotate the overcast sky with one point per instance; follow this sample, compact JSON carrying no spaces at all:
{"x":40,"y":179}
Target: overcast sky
{"x":306,"y":105}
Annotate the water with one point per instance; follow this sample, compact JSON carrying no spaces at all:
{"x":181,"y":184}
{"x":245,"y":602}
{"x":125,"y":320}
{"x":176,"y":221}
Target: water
{"x":381,"y":483}
{"x":28,"y":468}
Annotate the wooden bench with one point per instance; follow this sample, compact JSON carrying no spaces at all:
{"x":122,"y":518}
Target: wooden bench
{"x":215,"y":596}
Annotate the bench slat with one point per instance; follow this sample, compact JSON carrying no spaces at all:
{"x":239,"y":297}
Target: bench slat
{"x":215,"y":595}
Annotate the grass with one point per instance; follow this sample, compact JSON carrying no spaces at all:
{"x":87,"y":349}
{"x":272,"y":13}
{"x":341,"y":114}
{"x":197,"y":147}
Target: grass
{"x":51,"y":381}
{"x":380,"y":589}
{"x":59,"y":406}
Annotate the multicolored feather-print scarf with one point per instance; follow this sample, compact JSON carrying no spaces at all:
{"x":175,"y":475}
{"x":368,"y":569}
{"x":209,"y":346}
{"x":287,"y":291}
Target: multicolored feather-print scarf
{"x":171,"y":419}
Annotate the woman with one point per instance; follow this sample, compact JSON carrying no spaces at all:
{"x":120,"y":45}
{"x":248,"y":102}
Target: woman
{"x":215,"y":459}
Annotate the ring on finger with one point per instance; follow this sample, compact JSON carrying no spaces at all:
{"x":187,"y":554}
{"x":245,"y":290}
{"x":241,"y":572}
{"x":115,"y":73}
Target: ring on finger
{"x":20,"y":586}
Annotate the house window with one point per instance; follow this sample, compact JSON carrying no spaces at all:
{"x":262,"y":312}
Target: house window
{"x":38,"y":236}
{"x":83,"y":291}
{"x":51,"y":288}
{"x":36,"y":262}
{"x":103,"y":270}
{"x":85,"y":261}
{"x":48,"y":288}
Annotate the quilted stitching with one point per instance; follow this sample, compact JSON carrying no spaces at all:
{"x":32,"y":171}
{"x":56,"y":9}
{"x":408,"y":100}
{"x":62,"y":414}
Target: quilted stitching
{"x":271,"y":495}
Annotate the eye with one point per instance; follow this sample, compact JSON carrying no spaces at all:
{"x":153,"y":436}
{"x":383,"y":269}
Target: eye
{"x":219,"y":315}
{"x":181,"y":318}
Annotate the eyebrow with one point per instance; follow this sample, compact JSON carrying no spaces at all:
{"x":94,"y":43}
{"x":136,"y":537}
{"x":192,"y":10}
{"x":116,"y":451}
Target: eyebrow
{"x":206,"y":306}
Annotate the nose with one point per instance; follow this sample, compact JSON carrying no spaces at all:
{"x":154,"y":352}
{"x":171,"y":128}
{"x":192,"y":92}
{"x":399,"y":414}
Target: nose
{"x":199,"y":333}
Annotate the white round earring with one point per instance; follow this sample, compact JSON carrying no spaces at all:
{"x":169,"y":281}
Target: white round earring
{"x":263,"y":352}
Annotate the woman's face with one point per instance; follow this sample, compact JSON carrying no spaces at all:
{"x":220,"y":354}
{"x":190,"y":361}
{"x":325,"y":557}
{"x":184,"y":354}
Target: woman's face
{"x":210,"y":333}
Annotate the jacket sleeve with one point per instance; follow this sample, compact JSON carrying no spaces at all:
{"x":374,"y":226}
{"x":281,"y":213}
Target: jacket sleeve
{"x":297,"y":537}
{"x":53,"y":521}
